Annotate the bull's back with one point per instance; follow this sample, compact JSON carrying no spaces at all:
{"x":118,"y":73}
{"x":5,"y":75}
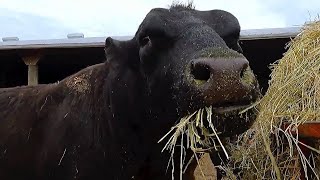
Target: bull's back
{"x":39,"y":124}
{"x":19,"y":110}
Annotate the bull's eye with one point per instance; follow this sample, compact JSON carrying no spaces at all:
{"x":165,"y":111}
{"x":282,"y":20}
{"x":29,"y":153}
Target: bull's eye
{"x":144,"y":41}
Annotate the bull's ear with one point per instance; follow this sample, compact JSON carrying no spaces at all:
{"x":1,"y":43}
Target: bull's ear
{"x":109,"y":45}
{"x":122,"y":52}
{"x":225,"y":24}
{"x":111,"y":49}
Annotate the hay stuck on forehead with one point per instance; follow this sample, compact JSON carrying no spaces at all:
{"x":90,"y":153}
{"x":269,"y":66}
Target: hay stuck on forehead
{"x":182,"y":6}
{"x":293,"y":97}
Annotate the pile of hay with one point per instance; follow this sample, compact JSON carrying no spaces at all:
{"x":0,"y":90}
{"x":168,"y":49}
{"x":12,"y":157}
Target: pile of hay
{"x":268,"y":151}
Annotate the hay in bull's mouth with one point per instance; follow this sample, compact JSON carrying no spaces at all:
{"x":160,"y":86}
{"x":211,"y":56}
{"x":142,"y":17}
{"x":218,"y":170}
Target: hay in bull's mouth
{"x":293,"y":98}
{"x":199,"y":138}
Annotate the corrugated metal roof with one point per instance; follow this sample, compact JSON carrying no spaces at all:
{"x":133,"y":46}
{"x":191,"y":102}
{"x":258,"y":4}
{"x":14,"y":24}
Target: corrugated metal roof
{"x":57,"y":43}
{"x":270,"y":33}
{"x":249,"y":34}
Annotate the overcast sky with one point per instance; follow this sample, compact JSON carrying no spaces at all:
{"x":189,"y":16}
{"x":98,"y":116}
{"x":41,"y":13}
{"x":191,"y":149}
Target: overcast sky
{"x":48,"y":19}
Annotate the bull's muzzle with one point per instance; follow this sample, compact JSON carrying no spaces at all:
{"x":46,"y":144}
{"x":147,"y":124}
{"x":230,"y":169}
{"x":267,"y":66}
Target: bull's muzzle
{"x":223,"y":80}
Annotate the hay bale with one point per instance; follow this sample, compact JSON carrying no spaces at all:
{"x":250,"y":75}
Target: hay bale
{"x":268,"y":151}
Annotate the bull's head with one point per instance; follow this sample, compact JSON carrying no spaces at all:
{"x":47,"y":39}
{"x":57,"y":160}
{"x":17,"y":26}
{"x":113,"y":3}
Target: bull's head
{"x":180,"y":60}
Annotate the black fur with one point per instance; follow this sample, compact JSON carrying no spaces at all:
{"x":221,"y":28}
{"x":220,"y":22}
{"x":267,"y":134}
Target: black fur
{"x":104,"y":121}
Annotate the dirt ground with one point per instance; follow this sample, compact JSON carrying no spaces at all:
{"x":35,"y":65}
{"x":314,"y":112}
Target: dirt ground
{"x":207,"y":168}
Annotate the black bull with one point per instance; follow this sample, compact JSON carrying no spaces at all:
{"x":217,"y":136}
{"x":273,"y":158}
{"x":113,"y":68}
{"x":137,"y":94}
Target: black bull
{"x":104,"y":121}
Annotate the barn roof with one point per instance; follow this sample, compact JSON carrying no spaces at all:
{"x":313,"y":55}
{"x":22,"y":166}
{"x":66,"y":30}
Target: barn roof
{"x":249,"y":34}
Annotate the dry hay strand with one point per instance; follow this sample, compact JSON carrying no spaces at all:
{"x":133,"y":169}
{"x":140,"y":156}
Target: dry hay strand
{"x":269,"y":151}
{"x":192,"y":130}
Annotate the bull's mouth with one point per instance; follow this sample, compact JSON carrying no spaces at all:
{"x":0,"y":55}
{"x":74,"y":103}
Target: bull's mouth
{"x":207,"y":124}
{"x":231,"y":120}
{"x":230,"y":109}
{"x":202,"y":130}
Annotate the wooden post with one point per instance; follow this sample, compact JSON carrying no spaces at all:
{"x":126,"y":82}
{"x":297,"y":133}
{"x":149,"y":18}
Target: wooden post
{"x":31,"y":59}
{"x":32,"y":75}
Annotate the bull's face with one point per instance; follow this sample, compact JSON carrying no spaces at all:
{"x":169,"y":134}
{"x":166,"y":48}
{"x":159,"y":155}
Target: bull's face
{"x":191,"y":59}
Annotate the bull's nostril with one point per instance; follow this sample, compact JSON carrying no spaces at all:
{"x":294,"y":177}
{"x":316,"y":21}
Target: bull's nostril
{"x":200,"y":71}
{"x":244,"y":71}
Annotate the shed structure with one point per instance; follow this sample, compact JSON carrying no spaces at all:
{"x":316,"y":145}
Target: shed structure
{"x":31,"y":62}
